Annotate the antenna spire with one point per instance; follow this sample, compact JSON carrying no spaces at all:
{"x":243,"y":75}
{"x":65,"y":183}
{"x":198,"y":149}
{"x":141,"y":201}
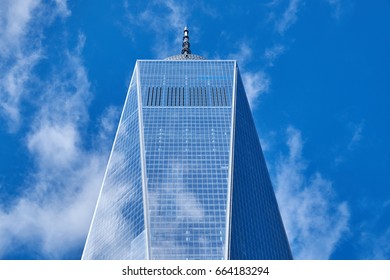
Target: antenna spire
{"x":186,"y":42}
{"x":185,"y":51}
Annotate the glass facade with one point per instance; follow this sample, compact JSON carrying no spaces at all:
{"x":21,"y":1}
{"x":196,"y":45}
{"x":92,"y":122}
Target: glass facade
{"x":186,"y":177}
{"x":257,"y":230}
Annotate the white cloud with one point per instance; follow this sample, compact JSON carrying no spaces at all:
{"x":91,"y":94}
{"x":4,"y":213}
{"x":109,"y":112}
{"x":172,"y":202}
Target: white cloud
{"x":52,"y":218}
{"x":108,"y":124}
{"x":62,"y":8}
{"x":357,"y":131}
{"x":15,"y":16}
{"x":255,"y":83}
{"x":164,"y":18}
{"x":14,"y":84}
{"x":356,"y":135}
{"x":271,"y":54}
{"x":243,"y":55}
{"x":373,"y":243}
{"x":289,"y":17}
{"x":176,"y":13}
{"x":336,"y":6}
{"x":381,"y":248}
{"x":315,"y":222}
{"x":374,"y":231}
{"x":18,"y":56}
{"x":22,"y":24}
{"x":273,"y":3}
{"x":53,"y":213}
{"x":55,"y":144}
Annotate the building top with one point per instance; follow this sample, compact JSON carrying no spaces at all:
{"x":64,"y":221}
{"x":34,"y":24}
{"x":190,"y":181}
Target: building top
{"x":186,"y":51}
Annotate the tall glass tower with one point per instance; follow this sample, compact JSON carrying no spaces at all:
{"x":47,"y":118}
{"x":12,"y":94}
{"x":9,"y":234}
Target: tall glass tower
{"x":186,"y":178}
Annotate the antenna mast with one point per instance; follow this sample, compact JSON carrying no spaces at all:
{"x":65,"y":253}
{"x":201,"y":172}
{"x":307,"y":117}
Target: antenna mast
{"x":186,"y":42}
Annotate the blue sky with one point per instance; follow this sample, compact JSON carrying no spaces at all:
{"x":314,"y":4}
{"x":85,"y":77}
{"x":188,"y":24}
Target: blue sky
{"x":317,"y":74}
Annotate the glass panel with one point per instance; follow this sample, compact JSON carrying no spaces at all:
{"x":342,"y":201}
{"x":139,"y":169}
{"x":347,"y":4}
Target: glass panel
{"x":187,"y":145}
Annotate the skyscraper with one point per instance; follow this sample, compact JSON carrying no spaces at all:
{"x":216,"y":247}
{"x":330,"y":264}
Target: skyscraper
{"x":186,"y":178}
